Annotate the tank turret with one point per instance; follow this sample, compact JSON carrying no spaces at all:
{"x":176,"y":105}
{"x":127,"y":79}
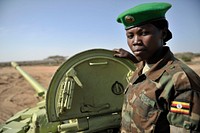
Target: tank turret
{"x":85,"y":95}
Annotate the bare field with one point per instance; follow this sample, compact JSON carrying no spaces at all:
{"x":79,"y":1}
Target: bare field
{"x":16,"y":93}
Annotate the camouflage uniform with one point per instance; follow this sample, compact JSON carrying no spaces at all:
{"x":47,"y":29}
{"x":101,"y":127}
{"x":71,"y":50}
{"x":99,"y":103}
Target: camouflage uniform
{"x":164,"y":99}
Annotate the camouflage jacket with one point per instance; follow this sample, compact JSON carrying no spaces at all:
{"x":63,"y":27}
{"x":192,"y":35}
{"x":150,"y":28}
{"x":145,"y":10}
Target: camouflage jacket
{"x":165,"y":99}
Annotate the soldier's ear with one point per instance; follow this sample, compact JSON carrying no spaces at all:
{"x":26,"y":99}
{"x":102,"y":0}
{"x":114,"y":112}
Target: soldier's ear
{"x":164,"y":33}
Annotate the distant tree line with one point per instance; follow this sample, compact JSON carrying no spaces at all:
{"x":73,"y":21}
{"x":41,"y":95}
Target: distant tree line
{"x":187,"y":56}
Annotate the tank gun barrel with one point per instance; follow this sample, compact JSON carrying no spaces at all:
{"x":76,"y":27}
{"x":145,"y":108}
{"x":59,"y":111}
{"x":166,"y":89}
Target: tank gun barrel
{"x":38,"y":87}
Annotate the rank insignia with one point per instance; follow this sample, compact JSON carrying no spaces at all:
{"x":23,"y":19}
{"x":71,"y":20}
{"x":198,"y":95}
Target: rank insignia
{"x":129,"y":19}
{"x":180,"y":107}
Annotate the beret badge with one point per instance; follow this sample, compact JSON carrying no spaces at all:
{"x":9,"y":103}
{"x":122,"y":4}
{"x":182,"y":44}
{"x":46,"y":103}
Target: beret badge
{"x":129,"y":19}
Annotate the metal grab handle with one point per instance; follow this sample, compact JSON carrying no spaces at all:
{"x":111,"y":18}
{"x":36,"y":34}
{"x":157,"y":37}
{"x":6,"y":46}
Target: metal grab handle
{"x":98,"y":63}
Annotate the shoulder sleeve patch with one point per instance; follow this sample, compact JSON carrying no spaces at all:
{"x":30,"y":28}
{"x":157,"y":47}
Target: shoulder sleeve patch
{"x":180,"y":107}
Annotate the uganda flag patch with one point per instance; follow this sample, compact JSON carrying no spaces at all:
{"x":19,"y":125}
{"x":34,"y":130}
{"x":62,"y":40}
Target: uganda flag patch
{"x":180,"y":107}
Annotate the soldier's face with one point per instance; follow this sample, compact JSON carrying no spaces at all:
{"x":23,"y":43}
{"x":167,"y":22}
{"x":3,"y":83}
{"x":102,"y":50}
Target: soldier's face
{"x":144,"y":41}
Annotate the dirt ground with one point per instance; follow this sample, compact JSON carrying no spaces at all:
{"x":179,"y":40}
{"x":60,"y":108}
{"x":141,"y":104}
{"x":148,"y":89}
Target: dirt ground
{"x":16,"y":93}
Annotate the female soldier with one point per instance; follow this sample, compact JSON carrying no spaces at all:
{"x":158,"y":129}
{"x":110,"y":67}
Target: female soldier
{"x":164,"y":94}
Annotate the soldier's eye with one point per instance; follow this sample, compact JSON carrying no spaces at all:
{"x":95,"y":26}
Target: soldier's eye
{"x":144,"y":33}
{"x":130,"y":36}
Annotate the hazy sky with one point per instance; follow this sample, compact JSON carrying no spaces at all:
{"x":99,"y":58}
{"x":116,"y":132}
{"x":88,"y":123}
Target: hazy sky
{"x":36,"y":29}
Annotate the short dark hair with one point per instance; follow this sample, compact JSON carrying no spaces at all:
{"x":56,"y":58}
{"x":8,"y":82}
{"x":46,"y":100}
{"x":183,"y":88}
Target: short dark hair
{"x":161,"y":24}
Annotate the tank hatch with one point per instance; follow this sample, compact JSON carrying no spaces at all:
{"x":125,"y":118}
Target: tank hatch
{"x":89,"y":84}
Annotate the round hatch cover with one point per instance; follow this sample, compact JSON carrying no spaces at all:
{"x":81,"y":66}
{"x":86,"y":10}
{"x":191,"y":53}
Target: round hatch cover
{"x":89,"y":83}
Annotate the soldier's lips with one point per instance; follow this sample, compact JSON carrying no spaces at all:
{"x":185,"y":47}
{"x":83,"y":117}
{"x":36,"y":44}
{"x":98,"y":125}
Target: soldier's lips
{"x":139,"y":51}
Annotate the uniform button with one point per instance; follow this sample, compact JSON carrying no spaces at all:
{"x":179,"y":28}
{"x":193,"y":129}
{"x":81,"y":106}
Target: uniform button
{"x":187,"y":125}
{"x":172,"y":67}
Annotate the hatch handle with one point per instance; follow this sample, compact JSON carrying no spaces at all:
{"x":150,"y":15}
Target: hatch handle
{"x":98,"y":63}
{"x":72,"y":73}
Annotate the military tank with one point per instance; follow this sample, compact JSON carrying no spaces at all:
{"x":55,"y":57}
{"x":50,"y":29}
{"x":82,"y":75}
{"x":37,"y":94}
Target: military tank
{"x":85,"y":95}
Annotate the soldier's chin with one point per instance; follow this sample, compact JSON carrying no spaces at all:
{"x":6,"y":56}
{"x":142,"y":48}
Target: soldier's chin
{"x":139,"y":58}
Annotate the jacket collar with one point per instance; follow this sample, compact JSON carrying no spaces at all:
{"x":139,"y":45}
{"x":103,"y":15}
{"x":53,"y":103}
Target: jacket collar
{"x":159,"y":67}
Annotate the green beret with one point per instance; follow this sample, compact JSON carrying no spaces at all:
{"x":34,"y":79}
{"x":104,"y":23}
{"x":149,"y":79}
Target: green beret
{"x":143,"y":13}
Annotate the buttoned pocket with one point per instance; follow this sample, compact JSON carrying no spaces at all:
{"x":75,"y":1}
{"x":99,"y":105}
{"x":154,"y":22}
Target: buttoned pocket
{"x":144,"y":106}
